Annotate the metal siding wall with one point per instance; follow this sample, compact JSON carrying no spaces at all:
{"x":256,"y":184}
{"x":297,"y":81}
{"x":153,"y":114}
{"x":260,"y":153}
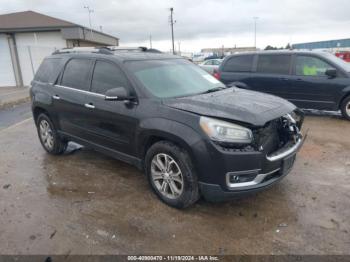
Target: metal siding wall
{"x":324,"y":44}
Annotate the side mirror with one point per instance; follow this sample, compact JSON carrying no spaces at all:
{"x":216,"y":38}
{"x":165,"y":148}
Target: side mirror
{"x":117,"y":94}
{"x":331,"y":73}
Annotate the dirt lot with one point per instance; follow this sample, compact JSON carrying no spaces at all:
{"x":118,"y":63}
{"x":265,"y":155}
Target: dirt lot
{"x":86,"y":203}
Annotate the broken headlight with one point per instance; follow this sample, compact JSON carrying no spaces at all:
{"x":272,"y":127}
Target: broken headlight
{"x":222,"y":131}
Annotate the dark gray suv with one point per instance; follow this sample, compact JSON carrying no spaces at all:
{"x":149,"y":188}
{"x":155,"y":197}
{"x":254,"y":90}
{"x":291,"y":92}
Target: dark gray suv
{"x":190,"y":134}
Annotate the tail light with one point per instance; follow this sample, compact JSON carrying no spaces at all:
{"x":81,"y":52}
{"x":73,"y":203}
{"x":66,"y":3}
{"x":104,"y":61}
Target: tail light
{"x":216,"y":74}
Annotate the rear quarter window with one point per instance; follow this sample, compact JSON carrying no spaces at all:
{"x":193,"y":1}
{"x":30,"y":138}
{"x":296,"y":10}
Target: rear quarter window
{"x":241,"y":63}
{"x":48,"y":69}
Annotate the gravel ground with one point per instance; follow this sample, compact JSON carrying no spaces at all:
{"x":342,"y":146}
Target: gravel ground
{"x":86,"y":203}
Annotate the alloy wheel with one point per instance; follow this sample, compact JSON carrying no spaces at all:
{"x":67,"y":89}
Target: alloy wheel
{"x":347,"y":109}
{"x":46,"y":134}
{"x":167,"y":176}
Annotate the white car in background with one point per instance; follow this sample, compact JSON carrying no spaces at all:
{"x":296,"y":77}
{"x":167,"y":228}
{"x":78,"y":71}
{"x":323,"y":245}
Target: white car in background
{"x":210,"y":65}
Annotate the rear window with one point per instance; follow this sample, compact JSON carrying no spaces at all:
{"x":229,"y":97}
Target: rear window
{"x":47,"y":70}
{"x":239,"y":64}
{"x":274,"y":64}
{"x":77,"y":74}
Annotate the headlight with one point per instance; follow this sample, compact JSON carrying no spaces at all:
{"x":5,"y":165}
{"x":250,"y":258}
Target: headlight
{"x":223,"y":131}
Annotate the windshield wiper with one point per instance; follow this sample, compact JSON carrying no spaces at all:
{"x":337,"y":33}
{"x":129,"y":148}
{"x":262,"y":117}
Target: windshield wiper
{"x":214,"y":90}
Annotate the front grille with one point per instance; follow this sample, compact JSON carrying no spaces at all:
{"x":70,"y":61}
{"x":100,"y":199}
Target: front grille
{"x":266,"y":138}
{"x":275,"y":135}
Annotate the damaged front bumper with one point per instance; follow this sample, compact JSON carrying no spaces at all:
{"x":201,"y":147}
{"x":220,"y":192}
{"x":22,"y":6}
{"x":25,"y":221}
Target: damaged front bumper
{"x":268,"y":169}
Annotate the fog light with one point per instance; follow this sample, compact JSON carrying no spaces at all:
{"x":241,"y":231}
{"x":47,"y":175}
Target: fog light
{"x":242,"y":177}
{"x":235,"y":179}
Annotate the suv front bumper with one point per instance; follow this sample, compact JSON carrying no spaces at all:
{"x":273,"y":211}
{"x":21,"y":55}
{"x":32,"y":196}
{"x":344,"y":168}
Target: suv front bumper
{"x":272,"y":169}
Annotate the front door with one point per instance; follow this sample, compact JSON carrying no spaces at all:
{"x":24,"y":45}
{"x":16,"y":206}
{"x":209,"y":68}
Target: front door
{"x":310,"y":87}
{"x":111,"y":124}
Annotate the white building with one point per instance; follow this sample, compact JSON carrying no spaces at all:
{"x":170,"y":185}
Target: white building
{"x":27,"y":37}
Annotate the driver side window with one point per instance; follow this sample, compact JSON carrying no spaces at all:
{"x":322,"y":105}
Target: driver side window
{"x":311,"y":66}
{"x":107,"y":76}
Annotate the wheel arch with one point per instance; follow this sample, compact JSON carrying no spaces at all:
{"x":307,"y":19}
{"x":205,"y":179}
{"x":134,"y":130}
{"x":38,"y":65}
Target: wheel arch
{"x":39,"y":110}
{"x":165,"y":130}
{"x":345,"y":96}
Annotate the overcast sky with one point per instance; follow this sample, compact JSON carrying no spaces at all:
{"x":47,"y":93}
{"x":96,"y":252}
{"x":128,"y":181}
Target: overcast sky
{"x":203,"y":23}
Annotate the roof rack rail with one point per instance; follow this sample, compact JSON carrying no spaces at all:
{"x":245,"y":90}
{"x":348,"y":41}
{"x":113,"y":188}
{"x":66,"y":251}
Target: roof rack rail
{"x":102,"y":50}
{"x":128,"y":49}
{"x":107,"y":50}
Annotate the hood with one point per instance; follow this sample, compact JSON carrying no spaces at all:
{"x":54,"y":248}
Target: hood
{"x":236,"y":104}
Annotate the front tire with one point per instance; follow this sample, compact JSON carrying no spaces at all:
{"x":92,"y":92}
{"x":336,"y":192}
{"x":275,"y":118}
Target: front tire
{"x":171,"y":174}
{"x":345,"y":108}
{"x":48,"y":136}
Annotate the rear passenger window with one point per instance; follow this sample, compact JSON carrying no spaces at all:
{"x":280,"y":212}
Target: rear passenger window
{"x":274,"y":64}
{"x":77,"y":74}
{"x":239,"y":64}
{"x":47,"y":70}
{"x":107,"y":76}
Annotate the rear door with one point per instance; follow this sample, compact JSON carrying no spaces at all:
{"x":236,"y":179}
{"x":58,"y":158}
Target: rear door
{"x":310,"y":87}
{"x":70,"y":97}
{"x":111,"y":124}
{"x":272,"y":74}
{"x":237,"y":69}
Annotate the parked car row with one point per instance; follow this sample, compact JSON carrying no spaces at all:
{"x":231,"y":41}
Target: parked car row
{"x":190,"y":134}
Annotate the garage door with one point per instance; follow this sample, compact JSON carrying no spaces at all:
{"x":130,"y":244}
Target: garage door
{"x":33,"y":48}
{"x":7,"y":77}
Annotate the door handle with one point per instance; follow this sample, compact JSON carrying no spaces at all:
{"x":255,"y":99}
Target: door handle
{"x":89,"y":105}
{"x":284,"y":79}
{"x":56,"y":97}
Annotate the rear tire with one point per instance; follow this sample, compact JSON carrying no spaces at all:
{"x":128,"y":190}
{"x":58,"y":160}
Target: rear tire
{"x":48,"y":136}
{"x":171,"y":174}
{"x":345,"y":108}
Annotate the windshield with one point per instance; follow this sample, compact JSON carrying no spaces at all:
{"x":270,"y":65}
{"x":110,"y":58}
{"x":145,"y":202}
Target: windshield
{"x":173,"y":77}
{"x":338,"y":61}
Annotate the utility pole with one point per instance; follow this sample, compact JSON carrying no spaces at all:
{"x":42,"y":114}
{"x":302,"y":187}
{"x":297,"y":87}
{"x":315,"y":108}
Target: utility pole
{"x":172,"y":22}
{"x":150,"y":41}
{"x":255,"y":20}
{"x":89,"y":11}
